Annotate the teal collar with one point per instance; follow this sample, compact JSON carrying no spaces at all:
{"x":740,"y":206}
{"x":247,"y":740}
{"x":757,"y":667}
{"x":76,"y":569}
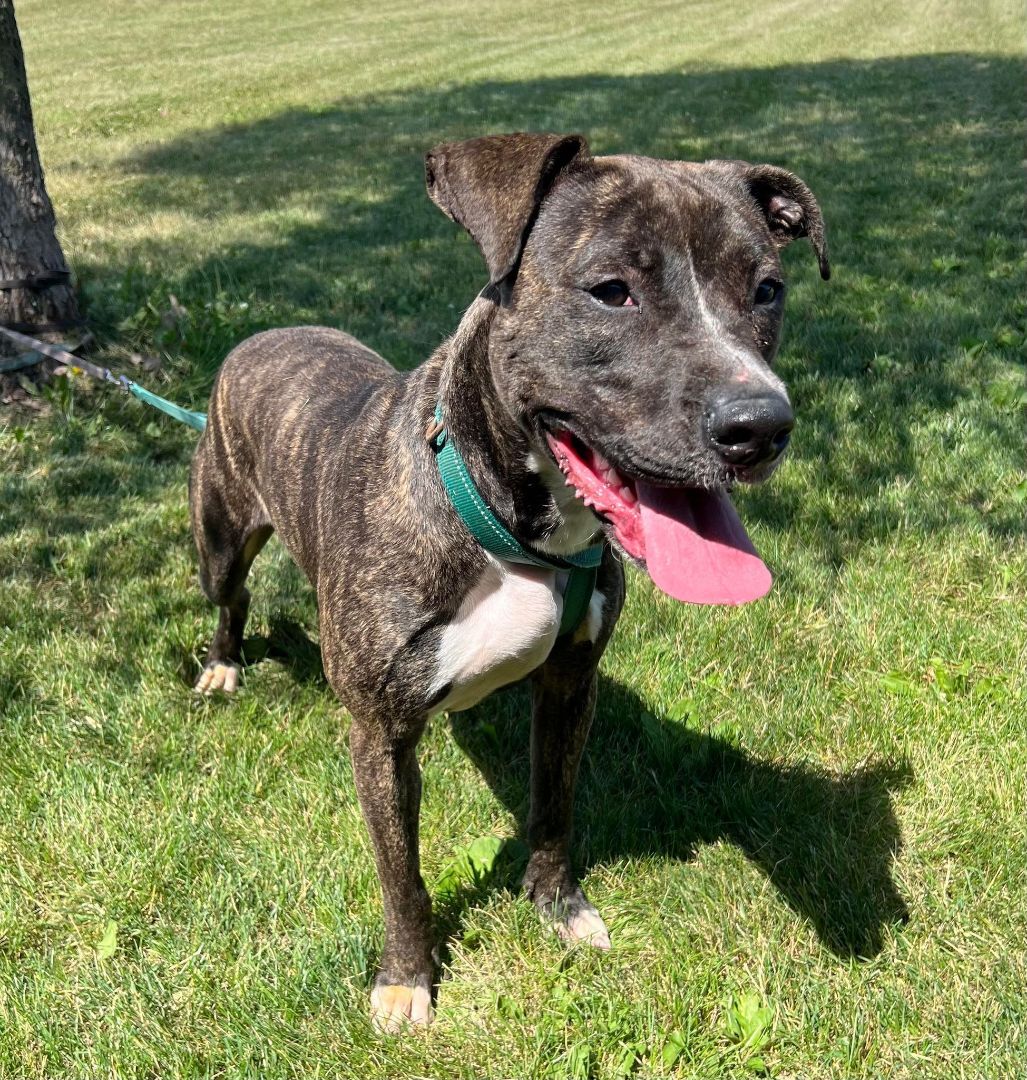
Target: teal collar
{"x":495,"y":538}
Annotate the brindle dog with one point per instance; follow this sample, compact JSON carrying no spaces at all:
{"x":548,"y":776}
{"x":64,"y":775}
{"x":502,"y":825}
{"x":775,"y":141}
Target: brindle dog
{"x":609,"y":385}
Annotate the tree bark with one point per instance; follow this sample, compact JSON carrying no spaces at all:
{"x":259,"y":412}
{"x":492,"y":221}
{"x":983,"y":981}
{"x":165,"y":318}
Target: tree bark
{"x":36,"y":294}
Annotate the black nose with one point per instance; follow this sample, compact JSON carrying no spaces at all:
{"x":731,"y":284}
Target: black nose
{"x":750,"y":430}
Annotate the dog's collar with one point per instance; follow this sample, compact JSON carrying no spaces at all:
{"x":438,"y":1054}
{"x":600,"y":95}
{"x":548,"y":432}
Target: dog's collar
{"x":495,"y":538}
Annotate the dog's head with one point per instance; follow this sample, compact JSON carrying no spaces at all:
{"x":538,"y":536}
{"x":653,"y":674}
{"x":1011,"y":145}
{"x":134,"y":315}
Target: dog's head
{"x":640,"y":310}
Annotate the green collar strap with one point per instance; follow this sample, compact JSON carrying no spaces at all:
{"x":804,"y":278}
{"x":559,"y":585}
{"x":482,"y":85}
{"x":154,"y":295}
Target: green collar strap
{"x":495,"y":538}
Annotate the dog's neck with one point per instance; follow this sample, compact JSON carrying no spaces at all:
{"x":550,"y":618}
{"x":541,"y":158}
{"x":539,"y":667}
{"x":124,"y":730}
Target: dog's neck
{"x":517,"y":480}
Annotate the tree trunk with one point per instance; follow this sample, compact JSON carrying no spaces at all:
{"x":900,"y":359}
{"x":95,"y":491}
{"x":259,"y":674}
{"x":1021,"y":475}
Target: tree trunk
{"x":36,"y":295}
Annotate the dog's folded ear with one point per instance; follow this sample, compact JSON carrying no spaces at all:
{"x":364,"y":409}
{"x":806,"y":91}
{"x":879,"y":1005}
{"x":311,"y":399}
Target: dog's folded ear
{"x":493,"y":186}
{"x":787,"y":203}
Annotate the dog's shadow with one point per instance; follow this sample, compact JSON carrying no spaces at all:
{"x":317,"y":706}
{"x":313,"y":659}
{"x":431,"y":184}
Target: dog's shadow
{"x":825,"y":840}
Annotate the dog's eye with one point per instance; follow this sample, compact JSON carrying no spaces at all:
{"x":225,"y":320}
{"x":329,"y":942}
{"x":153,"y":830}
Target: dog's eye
{"x":767,"y":292}
{"x":613,"y":294}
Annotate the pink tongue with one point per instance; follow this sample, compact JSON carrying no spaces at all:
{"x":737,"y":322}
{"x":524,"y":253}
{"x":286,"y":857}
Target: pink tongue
{"x":696,"y":548}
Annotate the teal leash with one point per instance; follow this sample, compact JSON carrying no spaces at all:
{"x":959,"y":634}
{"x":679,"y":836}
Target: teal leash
{"x":195,"y":420}
{"x":495,"y":538}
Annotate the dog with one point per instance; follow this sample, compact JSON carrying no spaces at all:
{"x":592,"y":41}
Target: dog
{"x":602,"y":394}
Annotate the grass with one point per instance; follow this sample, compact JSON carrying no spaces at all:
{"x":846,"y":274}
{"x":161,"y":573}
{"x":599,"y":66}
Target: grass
{"x":803,"y":821}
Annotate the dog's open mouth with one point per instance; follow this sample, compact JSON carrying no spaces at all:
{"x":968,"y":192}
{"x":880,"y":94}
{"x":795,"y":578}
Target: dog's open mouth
{"x":692,"y":542}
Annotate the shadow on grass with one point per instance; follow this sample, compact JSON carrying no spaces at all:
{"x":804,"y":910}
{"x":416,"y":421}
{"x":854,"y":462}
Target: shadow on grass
{"x":86,"y":484}
{"x":826,"y":841}
{"x":914,"y":160}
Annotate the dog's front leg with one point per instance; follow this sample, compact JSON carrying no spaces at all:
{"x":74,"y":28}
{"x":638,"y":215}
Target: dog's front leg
{"x":388,"y":784}
{"x":563,"y":706}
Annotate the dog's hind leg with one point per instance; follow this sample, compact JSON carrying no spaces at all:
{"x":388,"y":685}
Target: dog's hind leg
{"x":230,"y":527}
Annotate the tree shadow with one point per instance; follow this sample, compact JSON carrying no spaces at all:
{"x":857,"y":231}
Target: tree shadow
{"x":826,"y":841}
{"x":916,"y":163}
{"x":913,"y":158}
{"x":83,"y":492}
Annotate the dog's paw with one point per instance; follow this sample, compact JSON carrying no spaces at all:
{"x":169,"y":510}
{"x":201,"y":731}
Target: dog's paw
{"x":398,"y":1007}
{"x":577,"y":920}
{"x":218,"y":675}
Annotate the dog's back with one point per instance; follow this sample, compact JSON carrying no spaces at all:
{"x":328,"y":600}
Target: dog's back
{"x":279,"y":388}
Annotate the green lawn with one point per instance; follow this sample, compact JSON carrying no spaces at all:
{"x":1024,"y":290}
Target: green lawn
{"x":804,"y":821}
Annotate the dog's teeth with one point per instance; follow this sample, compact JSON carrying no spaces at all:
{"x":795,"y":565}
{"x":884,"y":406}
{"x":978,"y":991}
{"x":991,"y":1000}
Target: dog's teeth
{"x":600,"y":463}
{"x":628,"y":495}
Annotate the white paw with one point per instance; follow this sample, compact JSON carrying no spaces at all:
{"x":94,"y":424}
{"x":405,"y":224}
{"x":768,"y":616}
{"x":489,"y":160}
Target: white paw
{"x":395,"y":1009}
{"x":582,"y":923}
{"x":218,"y":676}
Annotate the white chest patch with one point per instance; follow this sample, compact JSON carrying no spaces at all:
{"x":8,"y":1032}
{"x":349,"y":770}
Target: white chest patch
{"x":504,"y":629}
